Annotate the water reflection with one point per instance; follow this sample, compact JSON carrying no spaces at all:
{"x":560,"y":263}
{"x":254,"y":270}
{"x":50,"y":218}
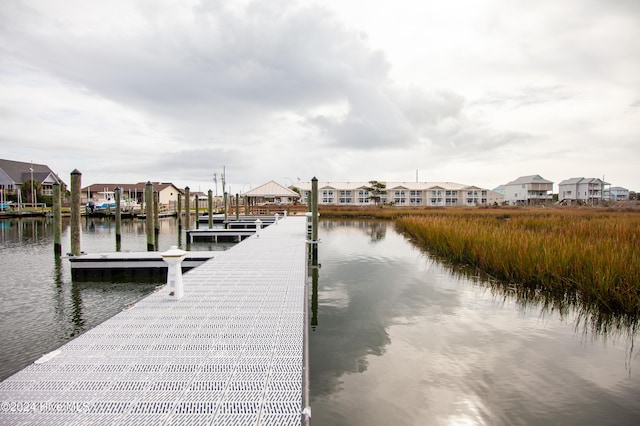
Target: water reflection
{"x":42,"y":307}
{"x":399,"y":338}
{"x":590,"y":319}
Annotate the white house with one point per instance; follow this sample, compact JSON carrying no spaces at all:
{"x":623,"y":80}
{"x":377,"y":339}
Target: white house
{"x":583,"y":190}
{"x":401,"y":194}
{"x":271,"y":192}
{"x":528,"y":190}
{"x":616,"y":193}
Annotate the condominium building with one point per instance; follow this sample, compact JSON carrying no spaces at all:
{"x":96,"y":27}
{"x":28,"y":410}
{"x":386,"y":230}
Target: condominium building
{"x":401,"y":194}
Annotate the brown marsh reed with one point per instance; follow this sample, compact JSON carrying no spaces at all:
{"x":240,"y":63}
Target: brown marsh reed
{"x":591,"y":256}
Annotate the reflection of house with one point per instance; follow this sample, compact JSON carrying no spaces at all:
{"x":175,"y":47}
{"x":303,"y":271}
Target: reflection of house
{"x":528,"y":190}
{"x":583,"y":190}
{"x":167,"y":192}
{"x":271,"y":192}
{"x":401,"y":194}
{"x":14,"y":173}
{"x":616,"y":193}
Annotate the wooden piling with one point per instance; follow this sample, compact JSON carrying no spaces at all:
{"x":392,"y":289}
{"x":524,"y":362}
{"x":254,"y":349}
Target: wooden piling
{"x":314,"y":223}
{"x":57,"y":220}
{"x":187,"y":208}
{"x":117,"y":191}
{"x":148,"y":221}
{"x":210,"y":206}
{"x":197,"y":202}
{"x":76,"y":185}
{"x":179,"y":211}
{"x":225,"y":209}
{"x":156,"y":217}
{"x":237,"y":207}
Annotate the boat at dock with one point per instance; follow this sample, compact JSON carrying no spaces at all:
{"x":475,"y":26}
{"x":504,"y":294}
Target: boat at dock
{"x":106,"y":206}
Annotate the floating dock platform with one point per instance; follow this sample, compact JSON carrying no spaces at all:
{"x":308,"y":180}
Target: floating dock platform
{"x":219,"y":234}
{"x":231,"y":351}
{"x":133,"y":263}
{"x":219,"y":218}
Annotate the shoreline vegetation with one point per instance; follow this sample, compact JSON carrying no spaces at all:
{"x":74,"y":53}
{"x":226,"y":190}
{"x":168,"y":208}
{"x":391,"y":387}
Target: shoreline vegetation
{"x":586,"y":256}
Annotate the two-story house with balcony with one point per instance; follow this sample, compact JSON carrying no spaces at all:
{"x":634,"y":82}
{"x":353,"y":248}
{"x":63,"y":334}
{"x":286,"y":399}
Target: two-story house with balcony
{"x":582,"y":190}
{"x":527,"y":190}
{"x":14,"y":173}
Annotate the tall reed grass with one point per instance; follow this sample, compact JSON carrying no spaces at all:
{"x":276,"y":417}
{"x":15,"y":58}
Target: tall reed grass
{"x":595,"y":254}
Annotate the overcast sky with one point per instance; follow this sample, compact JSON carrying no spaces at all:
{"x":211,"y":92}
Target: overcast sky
{"x":470,"y":91}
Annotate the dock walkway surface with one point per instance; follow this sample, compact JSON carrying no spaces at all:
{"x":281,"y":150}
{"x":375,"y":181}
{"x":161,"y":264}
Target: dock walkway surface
{"x":230,"y":352}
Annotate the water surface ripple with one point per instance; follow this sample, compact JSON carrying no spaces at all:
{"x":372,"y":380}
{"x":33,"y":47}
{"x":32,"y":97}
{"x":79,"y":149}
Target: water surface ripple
{"x":401,"y":339}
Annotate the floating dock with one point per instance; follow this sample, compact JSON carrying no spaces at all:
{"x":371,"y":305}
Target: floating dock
{"x":134,"y":263}
{"x":219,"y":234}
{"x":231,"y":351}
{"x":219,"y":218}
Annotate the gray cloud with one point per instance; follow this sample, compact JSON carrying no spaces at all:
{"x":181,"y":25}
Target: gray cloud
{"x":282,"y":83}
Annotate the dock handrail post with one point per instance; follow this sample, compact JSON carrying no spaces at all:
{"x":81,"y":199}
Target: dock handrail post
{"x":210,"y":207}
{"x":174,"y":258}
{"x":148,"y":220}
{"x":76,"y":179}
{"x":57,"y":220}
{"x":187,"y":207}
{"x":258,"y":227}
{"x":116,"y":193}
{"x":277,"y":217}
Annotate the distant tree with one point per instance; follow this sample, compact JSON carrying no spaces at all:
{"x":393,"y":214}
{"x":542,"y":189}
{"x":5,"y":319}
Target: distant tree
{"x":633,"y":195}
{"x":25,"y":188}
{"x":376,"y":190}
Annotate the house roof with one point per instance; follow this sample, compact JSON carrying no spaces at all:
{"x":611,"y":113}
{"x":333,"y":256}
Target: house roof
{"x":271,"y":189}
{"x":577,"y":180}
{"x":137,"y":187}
{"x":19,"y":172}
{"x":529,"y":179}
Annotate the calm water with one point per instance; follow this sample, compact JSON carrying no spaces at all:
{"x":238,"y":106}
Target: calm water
{"x":397,"y":338}
{"x":41,"y":307}
{"x":401,"y":340}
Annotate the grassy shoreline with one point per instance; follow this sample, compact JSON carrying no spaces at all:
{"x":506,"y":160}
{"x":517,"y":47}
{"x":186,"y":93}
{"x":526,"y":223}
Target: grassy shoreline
{"x":594,"y":253}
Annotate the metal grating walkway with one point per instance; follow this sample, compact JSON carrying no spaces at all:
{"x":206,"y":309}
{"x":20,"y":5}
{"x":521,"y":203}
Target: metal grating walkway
{"x":230,"y":352}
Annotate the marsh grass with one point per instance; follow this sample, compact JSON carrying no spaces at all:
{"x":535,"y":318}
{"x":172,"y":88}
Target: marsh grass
{"x":592,"y":255}
{"x":596,"y":255}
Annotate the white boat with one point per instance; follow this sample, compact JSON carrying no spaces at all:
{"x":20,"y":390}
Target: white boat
{"x":106,"y":205}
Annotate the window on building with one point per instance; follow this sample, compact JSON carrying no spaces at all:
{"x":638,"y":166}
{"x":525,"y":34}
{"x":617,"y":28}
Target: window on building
{"x":345,"y":197}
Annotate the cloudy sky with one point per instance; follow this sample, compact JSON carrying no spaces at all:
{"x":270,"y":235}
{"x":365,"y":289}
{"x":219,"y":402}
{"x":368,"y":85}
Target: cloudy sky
{"x":469,"y":91}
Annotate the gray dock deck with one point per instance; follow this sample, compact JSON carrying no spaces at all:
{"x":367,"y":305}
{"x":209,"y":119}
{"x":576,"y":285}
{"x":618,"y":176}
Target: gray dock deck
{"x":230,"y":352}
